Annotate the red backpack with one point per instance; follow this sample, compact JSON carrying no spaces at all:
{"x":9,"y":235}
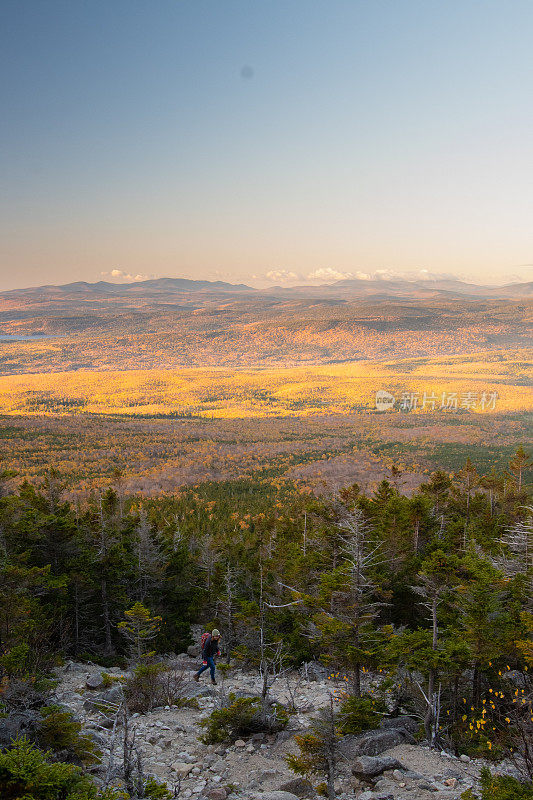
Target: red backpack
{"x":203,"y":640}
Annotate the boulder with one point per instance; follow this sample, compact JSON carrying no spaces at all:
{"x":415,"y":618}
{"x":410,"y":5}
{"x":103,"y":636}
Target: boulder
{"x":371,"y":766}
{"x":217,"y":793}
{"x":400,"y":723}
{"x":94,"y":681}
{"x":301,"y":787}
{"x":372,"y":743}
{"x":181,"y":768}
{"x":193,"y":651}
{"x":22,"y":723}
{"x":113,"y":695}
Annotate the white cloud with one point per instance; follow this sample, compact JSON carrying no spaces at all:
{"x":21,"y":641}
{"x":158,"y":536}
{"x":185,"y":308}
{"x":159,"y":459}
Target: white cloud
{"x":282,"y":276}
{"x":328,"y":274}
{"x":127,"y":277}
{"x":413,"y":275}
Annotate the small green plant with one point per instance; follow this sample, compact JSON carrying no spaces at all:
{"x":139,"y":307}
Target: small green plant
{"x":26,"y":772}
{"x":243,"y":716}
{"x":357,"y":714}
{"x":142,"y":690}
{"x":318,"y":751}
{"x":501,"y":787}
{"x":110,"y":680}
{"x":153,"y":790}
{"x":139,"y":628}
{"x":155,"y":684}
{"x":60,"y":733}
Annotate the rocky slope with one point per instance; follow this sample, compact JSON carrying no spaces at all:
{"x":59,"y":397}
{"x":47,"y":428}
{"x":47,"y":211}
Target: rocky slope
{"x":378,"y":765}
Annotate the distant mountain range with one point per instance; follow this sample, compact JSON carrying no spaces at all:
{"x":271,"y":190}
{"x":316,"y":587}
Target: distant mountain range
{"x":348,"y":290}
{"x":173,"y":322}
{"x":418,"y":290}
{"x":156,"y":287}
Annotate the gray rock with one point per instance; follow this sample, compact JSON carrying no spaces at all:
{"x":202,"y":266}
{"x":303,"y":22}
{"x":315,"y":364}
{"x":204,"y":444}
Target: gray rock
{"x":181,"y":768}
{"x":193,"y":689}
{"x":113,"y":695}
{"x":301,"y":787}
{"x":94,"y":681}
{"x":108,"y":722}
{"x":372,"y":743}
{"x":217,"y":793}
{"x":186,"y":757}
{"x":193,"y":650}
{"x":23,"y":723}
{"x":371,"y":766}
{"x":276,"y":795}
{"x":400,"y":723}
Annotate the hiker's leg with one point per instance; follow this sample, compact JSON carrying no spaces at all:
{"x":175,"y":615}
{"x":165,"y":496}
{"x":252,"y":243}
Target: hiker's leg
{"x":211,"y":663}
{"x":203,"y":668}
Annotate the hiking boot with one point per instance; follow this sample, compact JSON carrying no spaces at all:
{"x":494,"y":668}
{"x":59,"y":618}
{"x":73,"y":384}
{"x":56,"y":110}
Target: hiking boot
{"x":196,"y":677}
{"x":214,"y":683}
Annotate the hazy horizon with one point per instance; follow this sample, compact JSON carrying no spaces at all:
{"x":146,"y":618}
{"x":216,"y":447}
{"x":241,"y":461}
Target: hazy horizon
{"x":266,"y":144}
{"x":265,"y":285}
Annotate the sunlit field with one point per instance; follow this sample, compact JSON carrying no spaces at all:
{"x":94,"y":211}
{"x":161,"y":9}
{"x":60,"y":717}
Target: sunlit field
{"x":481,"y":383}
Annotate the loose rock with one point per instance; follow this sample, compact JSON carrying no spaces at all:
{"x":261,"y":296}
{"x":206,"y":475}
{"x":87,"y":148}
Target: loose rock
{"x":371,"y":766}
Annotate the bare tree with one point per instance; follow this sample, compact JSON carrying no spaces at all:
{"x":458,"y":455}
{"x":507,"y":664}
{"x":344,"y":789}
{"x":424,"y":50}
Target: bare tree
{"x":149,"y":559}
{"x":354,"y":603}
{"x":208,"y":559}
{"x":517,"y":556}
{"x":430,"y":590}
{"x":227,"y":610}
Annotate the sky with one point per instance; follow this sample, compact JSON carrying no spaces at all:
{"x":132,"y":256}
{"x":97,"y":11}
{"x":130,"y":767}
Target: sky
{"x":265,"y":141}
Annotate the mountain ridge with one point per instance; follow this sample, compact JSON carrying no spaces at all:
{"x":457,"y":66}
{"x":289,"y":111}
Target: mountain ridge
{"x":347,"y":289}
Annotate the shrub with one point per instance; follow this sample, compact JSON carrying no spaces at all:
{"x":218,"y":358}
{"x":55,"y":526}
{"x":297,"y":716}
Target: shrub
{"x":501,"y":787}
{"x":142,"y":690}
{"x":156,"y":684}
{"x":59,"y":732}
{"x":26,"y":772}
{"x":153,"y":790}
{"x":110,"y":680}
{"x":359,"y":714}
{"x":242,"y":717}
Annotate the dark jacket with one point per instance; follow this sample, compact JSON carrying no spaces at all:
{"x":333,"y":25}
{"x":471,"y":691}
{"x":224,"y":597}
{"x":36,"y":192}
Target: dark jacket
{"x":210,"y":648}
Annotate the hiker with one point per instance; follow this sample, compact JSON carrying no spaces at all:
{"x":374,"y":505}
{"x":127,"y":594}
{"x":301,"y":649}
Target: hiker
{"x":209,"y":651}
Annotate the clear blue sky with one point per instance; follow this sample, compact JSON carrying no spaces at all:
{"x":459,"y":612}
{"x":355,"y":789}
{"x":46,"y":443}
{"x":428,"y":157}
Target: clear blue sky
{"x":244,"y":139}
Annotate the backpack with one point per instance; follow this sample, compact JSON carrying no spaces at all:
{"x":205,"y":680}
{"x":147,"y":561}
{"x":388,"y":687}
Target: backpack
{"x":203,"y":640}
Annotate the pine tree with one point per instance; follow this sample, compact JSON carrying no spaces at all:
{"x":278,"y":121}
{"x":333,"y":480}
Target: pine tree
{"x":139,"y":627}
{"x":519,"y":463}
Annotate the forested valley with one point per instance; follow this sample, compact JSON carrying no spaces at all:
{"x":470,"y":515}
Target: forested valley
{"x":418,"y":607}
